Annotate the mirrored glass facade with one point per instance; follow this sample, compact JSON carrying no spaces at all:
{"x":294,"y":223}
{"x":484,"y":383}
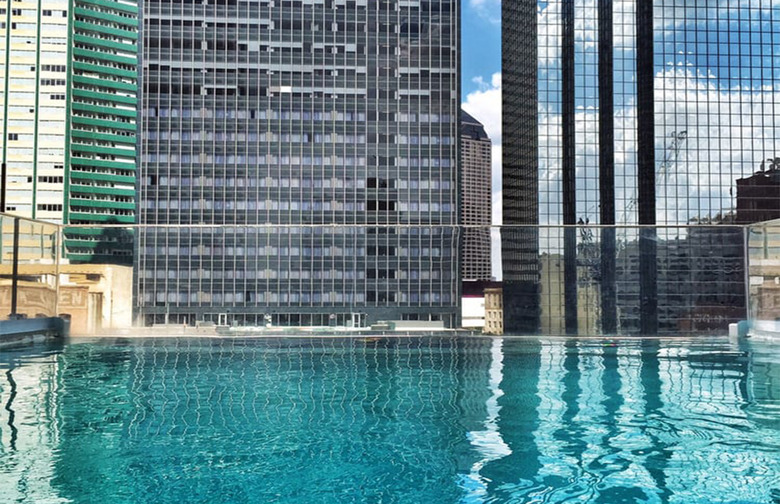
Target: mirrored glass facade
{"x":286,"y":119}
{"x":630,"y":112}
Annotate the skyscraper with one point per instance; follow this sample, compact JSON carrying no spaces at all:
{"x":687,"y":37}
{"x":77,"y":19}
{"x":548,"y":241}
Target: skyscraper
{"x":314,"y":144}
{"x":475,"y":161}
{"x":628,"y":112}
{"x":68,"y":104}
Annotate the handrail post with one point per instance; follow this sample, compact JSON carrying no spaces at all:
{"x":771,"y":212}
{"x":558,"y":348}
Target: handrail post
{"x":15,"y":271}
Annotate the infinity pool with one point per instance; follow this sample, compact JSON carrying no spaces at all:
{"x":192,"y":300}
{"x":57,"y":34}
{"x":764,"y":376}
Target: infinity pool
{"x":439,"y":420}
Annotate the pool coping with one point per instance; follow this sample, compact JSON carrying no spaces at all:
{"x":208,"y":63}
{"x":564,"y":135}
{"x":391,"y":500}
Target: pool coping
{"x":141,"y":334}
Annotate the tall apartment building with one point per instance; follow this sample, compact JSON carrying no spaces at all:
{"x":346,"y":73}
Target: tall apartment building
{"x":68,"y":85}
{"x":314,"y":144}
{"x":476,"y":199}
{"x":626,"y":112}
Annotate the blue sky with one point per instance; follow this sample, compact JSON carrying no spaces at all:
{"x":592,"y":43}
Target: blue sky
{"x":481,"y":44}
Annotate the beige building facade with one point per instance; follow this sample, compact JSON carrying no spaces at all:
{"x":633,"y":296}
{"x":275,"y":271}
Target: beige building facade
{"x":494,"y":312}
{"x":33,"y":87}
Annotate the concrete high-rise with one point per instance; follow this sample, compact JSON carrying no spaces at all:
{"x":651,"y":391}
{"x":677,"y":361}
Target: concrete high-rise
{"x":68,"y":85}
{"x":626,"y":112}
{"x":476,"y":199}
{"x":314,"y":144}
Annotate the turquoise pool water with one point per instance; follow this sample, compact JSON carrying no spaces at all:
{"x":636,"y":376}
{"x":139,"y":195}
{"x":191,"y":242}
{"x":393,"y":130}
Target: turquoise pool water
{"x":440,"y":420}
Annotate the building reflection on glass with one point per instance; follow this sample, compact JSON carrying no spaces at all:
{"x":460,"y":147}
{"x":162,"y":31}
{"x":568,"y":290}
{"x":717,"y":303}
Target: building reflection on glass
{"x":622,"y":112}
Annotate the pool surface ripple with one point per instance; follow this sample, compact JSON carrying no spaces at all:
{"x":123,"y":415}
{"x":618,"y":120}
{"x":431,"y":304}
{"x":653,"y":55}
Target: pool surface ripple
{"x":407,"y":420}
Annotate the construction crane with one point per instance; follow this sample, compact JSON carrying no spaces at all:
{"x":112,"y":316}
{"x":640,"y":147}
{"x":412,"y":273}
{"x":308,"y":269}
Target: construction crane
{"x":662,"y":173}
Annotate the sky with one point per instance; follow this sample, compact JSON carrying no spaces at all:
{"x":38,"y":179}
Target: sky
{"x":481,"y":45}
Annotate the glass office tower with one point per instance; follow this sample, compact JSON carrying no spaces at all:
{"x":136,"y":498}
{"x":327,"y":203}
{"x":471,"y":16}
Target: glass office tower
{"x":630,"y":112}
{"x":312,"y":146}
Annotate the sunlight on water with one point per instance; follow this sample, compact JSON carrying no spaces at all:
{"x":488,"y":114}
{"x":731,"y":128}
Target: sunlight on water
{"x":434,"y":420}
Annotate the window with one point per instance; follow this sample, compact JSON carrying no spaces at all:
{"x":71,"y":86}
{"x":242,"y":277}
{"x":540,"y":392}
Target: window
{"x":48,"y":207}
{"x":50,"y":179}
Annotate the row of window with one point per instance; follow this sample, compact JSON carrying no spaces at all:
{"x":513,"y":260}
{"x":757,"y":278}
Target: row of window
{"x":294,"y":115}
{"x":285,"y":251}
{"x":51,"y":68}
{"x":105,"y":64}
{"x":108,"y":10}
{"x":101,"y":22}
{"x":49,"y":179}
{"x":284,"y":182}
{"x":322,"y":206}
{"x":268,"y":274}
{"x":286,"y":160}
{"x":32,"y":12}
{"x":297,"y":232}
{"x":104,"y":117}
{"x":317,"y":138}
{"x":219,"y":298}
{"x":46,"y":207}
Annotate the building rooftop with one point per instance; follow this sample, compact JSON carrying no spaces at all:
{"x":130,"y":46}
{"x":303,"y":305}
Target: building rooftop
{"x":472,"y":128}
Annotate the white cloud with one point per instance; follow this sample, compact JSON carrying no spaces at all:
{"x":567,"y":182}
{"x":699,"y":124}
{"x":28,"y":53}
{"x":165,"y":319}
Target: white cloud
{"x":692,"y":11}
{"x":485,"y":105}
{"x":487,"y":9}
{"x":728,"y":134}
{"x":549,"y":36}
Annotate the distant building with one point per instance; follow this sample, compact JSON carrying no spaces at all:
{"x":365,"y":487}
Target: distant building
{"x":758,"y":197}
{"x":68,"y":92}
{"x":494,"y":311}
{"x":476,"y":206}
{"x":473,"y":303}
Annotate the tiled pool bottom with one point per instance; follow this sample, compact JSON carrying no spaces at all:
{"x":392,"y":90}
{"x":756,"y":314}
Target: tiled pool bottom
{"x":440,"y":420}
